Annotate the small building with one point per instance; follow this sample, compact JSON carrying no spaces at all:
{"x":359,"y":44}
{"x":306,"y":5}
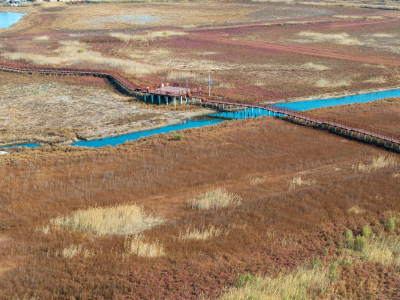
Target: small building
{"x":170,"y":93}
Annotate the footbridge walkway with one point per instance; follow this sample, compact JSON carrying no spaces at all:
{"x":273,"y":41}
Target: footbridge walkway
{"x":229,"y":109}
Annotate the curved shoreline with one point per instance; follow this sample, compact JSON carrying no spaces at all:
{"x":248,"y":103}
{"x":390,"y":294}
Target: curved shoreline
{"x":19,"y":16}
{"x":169,"y":122}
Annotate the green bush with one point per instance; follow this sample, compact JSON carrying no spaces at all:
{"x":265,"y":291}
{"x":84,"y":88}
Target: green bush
{"x":349,"y":238}
{"x":366,"y":231}
{"x":80,"y":51}
{"x":244,"y":279}
{"x":316,"y":262}
{"x":178,"y":136}
{"x":361,"y":242}
{"x":333,"y":271}
{"x":391,"y":224}
{"x":326,"y":251}
{"x":345,"y":262}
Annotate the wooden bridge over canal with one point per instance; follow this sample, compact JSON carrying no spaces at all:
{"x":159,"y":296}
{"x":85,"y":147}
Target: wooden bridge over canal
{"x":228,"y":109}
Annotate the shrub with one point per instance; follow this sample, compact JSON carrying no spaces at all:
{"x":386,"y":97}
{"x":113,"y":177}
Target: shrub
{"x":333,"y":271}
{"x":391,"y":224}
{"x":383,"y":250}
{"x":125,"y":219}
{"x":139,"y":246}
{"x":361,"y":242}
{"x":178,"y":136}
{"x":214,"y":199}
{"x":326,"y":251}
{"x":346,"y":262}
{"x":295,"y":285}
{"x":349,"y":238}
{"x":80,"y":51}
{"x":202,"y":234}
{"x":244,"y":279}
{"x":316,"y":262}
{"x":366,"y":231}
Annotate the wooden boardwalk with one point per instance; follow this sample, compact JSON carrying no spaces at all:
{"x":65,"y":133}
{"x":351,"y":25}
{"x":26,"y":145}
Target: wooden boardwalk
{"x":360,"y":133}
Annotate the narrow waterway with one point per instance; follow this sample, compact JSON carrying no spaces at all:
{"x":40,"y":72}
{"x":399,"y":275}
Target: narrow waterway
{"x":218,"y":117}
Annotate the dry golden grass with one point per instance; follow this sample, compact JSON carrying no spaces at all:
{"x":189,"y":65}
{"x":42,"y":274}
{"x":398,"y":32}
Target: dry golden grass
{"x":202,"y":234}
{"x":284,"y":286}
{"x":356,"y":210}
{"x":382,"y":35}
{"x":41,"y":38}
{"x":214,"y":199}
{"x":383,"y":249}
{"x":139,"y":246}
{"x":298,"y":181}
{"x":324,"y":83}
{"x":74,"y":250}
{"x":76,"y":53}
{"x":378,"y":79}
{"x":124,"y":219}
{"x":258,"y":180}
{"x":150,"y":36}
{"x":314,"y":66}
{"x":377,"y":163}
{"x":336,"y":38}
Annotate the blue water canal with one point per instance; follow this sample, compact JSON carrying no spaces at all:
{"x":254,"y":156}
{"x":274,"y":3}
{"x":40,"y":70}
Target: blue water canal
{"x":218,"y":117}
{"x":7,"y":19}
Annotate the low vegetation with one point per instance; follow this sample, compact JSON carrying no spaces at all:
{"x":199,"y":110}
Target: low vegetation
{"x":138,"y":245}
{"x":124,"y":219}
{"x":298,"y":181}
{"x":376,"y":163}
{"x":337,"y":38}
{"x":201,"y":234}
{"x":375,"y":246}
{"x":74,"y":250}
{"x":218,"y":198}
{"x":383,"y":249}
{"x":295,"y":285}
{"x":152,"y":35}
{"x":178,"y":136}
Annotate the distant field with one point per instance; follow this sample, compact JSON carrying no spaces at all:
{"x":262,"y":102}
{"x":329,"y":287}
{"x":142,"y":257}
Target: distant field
{"x":269,"y":51}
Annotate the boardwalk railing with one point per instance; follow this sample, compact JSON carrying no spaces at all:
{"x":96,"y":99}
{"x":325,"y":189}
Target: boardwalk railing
{"x":362,"y":133}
